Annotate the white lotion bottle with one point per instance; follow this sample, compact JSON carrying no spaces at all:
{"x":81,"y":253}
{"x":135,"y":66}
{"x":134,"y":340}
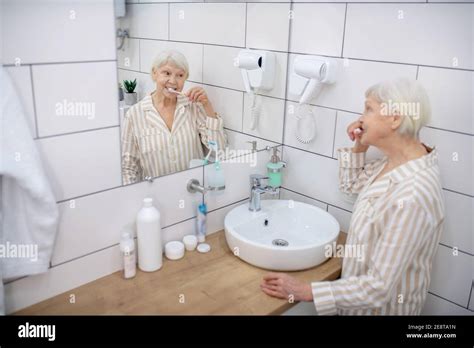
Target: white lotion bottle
{"x":127,"y":247}
{"x":150,"y":250}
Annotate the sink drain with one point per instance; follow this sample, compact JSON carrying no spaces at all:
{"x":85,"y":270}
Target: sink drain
{"x":280,"y":242}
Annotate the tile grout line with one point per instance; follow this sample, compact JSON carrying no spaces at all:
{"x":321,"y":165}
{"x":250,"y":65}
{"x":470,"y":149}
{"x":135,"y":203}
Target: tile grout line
{"x":288,"y":71}
{"x":245,"y":32}
{"x":470,"y":294}
{"x":77,"y":132}
{"x":318,"y":200}
{"x":445,"y":299}
{"x":334,"y":136}
{"x":33,"y":95}
{"x":344,"y":31}
{"x":60,"y":62}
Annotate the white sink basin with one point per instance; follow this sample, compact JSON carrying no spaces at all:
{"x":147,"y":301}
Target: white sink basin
{"x":259,"y":238}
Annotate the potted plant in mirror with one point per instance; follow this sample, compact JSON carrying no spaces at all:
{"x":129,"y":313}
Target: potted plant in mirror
{"x":130,"y":96}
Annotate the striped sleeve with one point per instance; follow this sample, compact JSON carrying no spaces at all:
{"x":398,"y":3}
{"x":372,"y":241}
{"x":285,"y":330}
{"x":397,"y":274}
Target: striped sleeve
{"x":211,"y":128}
{"x":406,"y":226}
{"x":131,"y":168}
{"x":353,"y":171}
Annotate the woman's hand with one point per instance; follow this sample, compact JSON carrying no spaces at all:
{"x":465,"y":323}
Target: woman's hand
{"x":282,"y":285}
{"x":198,"y":95}
{"x":356,"y":135}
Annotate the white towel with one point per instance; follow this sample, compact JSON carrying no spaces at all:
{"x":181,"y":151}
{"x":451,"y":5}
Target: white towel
{"x":29,"y":213}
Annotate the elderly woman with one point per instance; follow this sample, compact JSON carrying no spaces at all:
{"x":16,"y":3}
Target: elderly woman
{"x":398,"y":216}
{"x":167,"y":128}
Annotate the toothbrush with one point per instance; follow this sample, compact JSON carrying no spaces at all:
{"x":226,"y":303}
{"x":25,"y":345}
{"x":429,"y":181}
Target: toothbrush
{"x":357,"y":131}
{"x":175,"y":91}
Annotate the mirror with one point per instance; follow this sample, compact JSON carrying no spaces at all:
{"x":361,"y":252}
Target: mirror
{"x":172,"y":118}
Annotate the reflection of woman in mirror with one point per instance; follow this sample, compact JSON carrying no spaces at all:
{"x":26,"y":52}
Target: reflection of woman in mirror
{"x":165,"y":130}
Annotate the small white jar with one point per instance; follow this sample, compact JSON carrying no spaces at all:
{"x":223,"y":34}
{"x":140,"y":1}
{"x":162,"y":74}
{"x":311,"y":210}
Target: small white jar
{"x":174,"y":250}
{"x":190,"y":242}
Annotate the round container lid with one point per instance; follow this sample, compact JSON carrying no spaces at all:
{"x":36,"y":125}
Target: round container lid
{"x":203,"y":248}
{"x":174,"y":250}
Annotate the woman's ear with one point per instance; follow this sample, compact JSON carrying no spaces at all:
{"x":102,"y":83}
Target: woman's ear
{"x":396,"y":120}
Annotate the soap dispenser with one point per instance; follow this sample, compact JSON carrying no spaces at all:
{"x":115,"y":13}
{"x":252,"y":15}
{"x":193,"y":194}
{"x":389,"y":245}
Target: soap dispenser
{"x":274,"y":169}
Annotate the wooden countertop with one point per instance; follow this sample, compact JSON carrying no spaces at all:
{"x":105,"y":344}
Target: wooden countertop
{"x":214,"y":283}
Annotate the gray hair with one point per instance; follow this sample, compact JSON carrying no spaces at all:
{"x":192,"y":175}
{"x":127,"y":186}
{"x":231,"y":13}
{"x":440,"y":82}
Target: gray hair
{"x":404,"y":97}
{"x":171,"y":56}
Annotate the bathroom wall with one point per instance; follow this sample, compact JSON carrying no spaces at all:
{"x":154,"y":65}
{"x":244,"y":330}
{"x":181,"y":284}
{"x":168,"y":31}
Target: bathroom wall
{"x":427,"y":40}
{"x":82,"y":155}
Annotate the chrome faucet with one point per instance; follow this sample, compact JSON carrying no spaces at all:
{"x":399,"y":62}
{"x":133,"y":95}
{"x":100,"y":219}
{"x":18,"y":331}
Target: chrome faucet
{"x":256,"y":189}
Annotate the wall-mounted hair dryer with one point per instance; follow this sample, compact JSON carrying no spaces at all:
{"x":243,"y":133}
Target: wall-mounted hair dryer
{"x":309,"y":74}
{"x":257,"y":68}
{"x":258,"y":73}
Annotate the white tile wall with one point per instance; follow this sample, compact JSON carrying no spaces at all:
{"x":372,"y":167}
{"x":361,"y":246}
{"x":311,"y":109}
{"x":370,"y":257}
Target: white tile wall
{"x":438,"y":35}
{"x":268,"y":26}
{"x":32,"y":35}
{"x":455,"y":158}
{"x":75,"y":97}
{"x":450,"y":93}
{"x":72,"y":168}
{"x":342,"y":216}
{"x":451,"y":277}
{"x":322,"y":120}
{"x":313,"y":175}
{"x":318,"y":29}
{"x":287,"y":194}
{"x":269,"y":124}
{"x":435,"y":305}
{"x":229,"y":104}
{"x":149,"y":21}
{"x":459,"y":221}
{"x":21,"y":79}
{"x":128,"y":57}
{"x":226,"y":23}
{"x":218,"y":67}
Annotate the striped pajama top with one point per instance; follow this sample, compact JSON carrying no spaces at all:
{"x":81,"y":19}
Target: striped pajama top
{"x":397,"y":223}
{"x":150,"y":149}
